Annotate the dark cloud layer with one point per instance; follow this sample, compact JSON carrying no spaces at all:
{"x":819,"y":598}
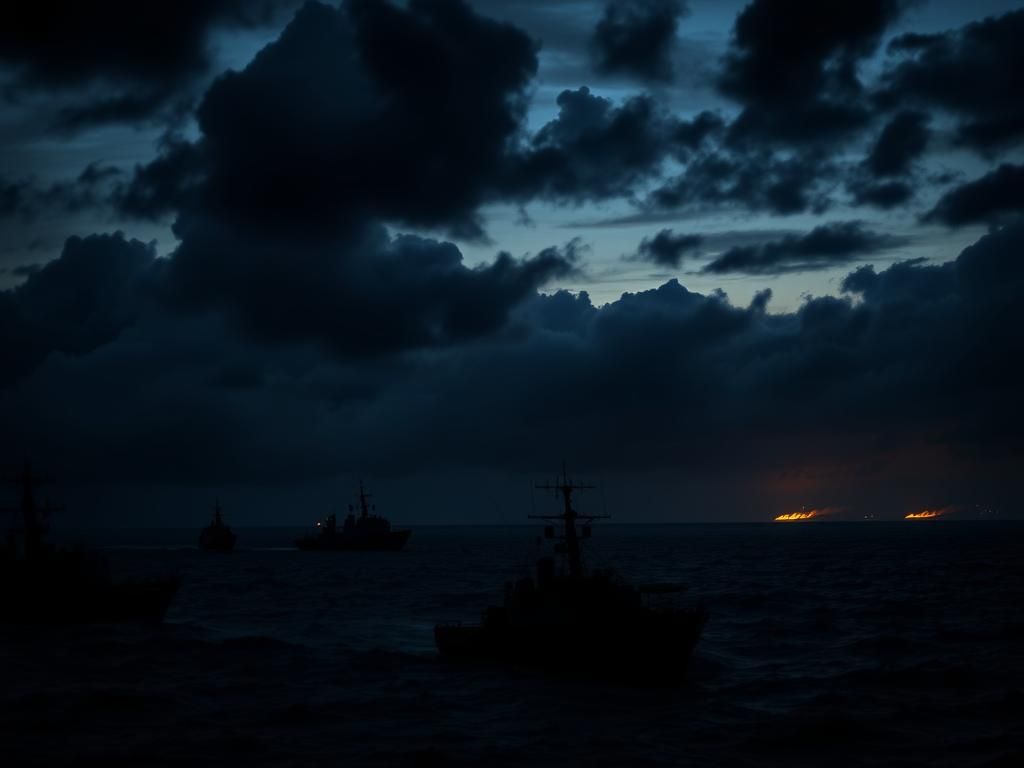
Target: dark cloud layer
{"x":163,"y":186}
{"x":354,"y":116}
{"x":885,"y":179}
{"x":143,"y":57}
{"x":880,"y":194}
{"x":902,"y":141}
{"x":972,"y":73}
{"x":637,"y":37}
{"x":761,"y":181}
{"x":594,"y":150}
{"x":667,"y":249}
{"x":75,"y":303}
{"x":27,"y":198}
{"x":823,"y":247}
{"x":797,"y":84}
{"x":995,"y":195}
{"x":294,"y":330}
{"x":364,"y":294}
{"x":405,"y":114}
{"x":793,"y":68}
{"x":919,"y":372}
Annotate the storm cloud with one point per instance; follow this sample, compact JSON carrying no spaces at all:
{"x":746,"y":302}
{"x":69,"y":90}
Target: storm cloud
{"x":970,"y":73}
{"x":925,"y":360}
{"x":27,"y":198}
{"x":146,"y":59}
{"x":758,"y":181}
{"x":995,"y":195}
{"x":636,"y":37}
{"x":666,"y":249}
{"x":406,"y":118}
{"x":595,"y":150}
{"x":901,"y":142}
{"x":793,"y":67}
{"x":325,"y":294}
{"x":364,"y":293}
{"x":279,"y":219}
{"x":75,"y":303}
{"x":823,"y":247}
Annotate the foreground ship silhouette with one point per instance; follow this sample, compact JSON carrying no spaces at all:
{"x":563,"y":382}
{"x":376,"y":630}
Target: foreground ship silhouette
{"x":217,"y":537}
{"x":40,"y":584}
{"x":579,"y":622}
{"x":365,"y":533}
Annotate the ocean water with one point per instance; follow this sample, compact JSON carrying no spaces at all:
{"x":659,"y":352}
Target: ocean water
{"x":857,"y":644}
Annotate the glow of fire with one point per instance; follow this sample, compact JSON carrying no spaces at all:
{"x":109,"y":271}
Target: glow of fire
{"x":924,"y":514}
{"x":792,"y":517}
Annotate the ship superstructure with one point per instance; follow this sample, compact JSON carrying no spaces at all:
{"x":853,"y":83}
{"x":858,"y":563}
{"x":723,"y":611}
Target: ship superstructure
{"x":217,"y":536}
{"x":579,"y":622}
{"x":41,"y":583}
{"x":365,"y":531}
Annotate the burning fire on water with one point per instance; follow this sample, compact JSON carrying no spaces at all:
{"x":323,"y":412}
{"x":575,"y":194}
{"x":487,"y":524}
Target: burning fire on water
{"x":925,"y":514}
{"x":794,"y":517}
{"x":790,"y":517}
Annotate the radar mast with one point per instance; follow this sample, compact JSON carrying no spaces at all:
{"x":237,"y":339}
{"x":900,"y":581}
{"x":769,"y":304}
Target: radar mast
{"x":569,"y":543}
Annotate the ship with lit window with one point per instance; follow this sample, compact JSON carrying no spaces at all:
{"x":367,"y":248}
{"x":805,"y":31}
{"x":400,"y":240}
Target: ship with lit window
{"x":362,"y":531}
{"x":579,"y":622}
{"x":41,"y":583}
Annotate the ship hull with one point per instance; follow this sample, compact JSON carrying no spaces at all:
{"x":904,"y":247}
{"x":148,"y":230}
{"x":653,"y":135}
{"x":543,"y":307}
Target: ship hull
{"x":217,"y":542}
{"x":392,"y":541}
{"x":652,"y":649}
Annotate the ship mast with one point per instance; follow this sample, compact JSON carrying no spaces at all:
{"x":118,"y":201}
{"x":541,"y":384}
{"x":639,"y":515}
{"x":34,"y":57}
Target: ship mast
{"x":33,"y":516}
{"x":570,"y":544}
{"x":363,"y":496}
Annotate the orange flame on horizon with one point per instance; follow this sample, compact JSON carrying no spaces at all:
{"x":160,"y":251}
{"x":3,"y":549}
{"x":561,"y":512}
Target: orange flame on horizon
{"x":924,"y":514}
{"x":793,"y":517}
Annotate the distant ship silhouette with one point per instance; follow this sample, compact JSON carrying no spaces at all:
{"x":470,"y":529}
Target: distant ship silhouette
{"x":217,"y":537}
{"x":41,"y":584}
{"x":367,"y":532}
{"x":579,"y":622}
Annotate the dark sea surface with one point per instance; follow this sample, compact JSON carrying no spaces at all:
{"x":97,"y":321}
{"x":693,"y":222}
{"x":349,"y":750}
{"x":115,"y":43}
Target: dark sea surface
{"x":828,"y":643}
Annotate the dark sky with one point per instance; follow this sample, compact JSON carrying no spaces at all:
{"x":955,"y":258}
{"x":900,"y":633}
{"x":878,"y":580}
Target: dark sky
{"x":728,"y":259}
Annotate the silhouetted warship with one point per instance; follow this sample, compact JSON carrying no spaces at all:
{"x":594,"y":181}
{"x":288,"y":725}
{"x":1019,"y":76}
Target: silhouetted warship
{"x":579,"y":622}
{"x":364,"y":533}
{"x":217,"y":537}
{"x":41,"y":584}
